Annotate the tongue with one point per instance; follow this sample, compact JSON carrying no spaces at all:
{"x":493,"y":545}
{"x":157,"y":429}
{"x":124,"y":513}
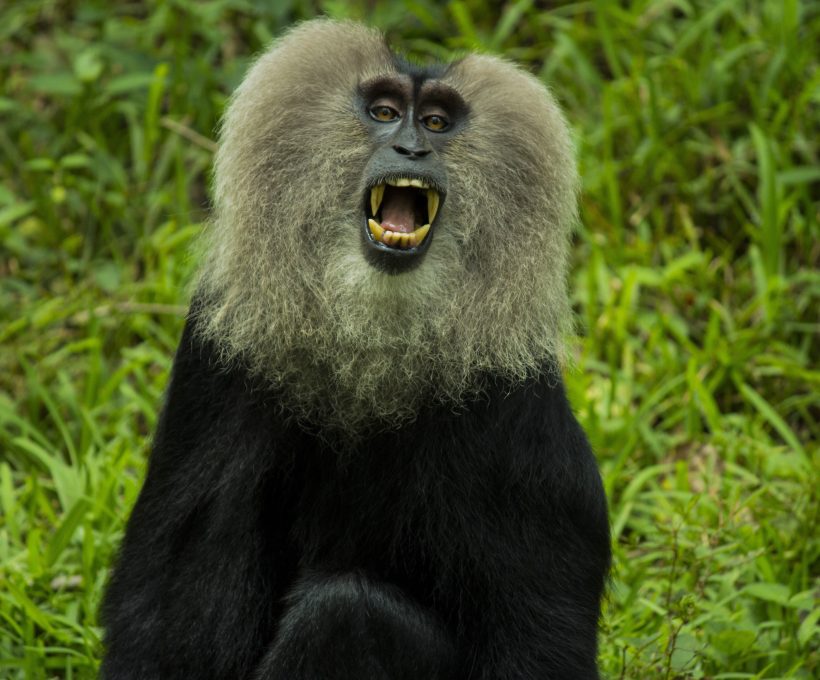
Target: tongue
{"x":398,"y":211}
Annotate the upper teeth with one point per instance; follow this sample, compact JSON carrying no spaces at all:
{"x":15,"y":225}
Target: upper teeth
{"x":407,"y":182}
{"x":377,"y":194}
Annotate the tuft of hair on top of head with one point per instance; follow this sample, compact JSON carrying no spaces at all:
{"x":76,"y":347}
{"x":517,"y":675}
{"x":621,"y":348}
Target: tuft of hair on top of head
{"x":285,"y":288}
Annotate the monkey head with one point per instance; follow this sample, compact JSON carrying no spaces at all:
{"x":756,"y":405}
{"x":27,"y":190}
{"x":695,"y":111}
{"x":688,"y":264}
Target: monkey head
{"x":386,"y":235}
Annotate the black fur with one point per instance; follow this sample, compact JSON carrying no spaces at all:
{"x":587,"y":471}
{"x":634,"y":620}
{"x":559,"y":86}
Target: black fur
{"x":469,"y":544}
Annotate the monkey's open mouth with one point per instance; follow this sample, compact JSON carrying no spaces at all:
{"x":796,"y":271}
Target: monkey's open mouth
{"x":399,"y":213}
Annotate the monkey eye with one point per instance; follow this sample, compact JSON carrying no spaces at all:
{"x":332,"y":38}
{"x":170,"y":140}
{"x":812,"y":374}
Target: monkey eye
{"x":436,"y":123}
{"x":383,"y":113}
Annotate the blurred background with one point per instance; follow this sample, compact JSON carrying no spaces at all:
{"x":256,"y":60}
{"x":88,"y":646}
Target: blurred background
{"x":695,"y":285}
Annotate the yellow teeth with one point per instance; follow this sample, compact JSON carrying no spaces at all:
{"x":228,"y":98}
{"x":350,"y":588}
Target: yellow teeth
{"x":407,"y":182}
{"x":376,"y":229}
{"x":421,"y":232}
{"x":432,"y":205}
{"x":433,"y":200}
{"x":397,"y":239}
{"x":376,"y":196}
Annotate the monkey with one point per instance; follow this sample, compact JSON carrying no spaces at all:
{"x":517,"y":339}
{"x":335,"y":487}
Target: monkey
{"x":366,"y":465}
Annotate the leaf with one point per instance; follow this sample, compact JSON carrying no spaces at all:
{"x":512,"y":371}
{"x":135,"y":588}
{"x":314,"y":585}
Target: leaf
{"x":65,"y":531}
{"x":108,"y":276}
{"x":765,"y":409}
{"x":14,"y":212}
{"x":770,"y":592}
{"x":56,"y":84}
{"x":31,"y":610}
{"x":809,"y":628}
{"x":129,"y":83}
{"x":732,"y":642}
{"x":770,"y":236}
{"x":75,"y":160}
{"x":88,"y":65}
{"x":7,"y":104}
{"x":804,"y":174}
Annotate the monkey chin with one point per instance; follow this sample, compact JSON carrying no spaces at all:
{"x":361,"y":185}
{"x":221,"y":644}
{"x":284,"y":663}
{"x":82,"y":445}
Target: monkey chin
{"x":399,"y":217}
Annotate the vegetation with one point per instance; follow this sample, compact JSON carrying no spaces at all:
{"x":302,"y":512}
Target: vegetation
{"x":696,"y":287}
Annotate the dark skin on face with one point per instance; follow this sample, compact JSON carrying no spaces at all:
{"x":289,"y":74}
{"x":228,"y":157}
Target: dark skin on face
{"x":390,"y":109}
{"x":410,"y":118}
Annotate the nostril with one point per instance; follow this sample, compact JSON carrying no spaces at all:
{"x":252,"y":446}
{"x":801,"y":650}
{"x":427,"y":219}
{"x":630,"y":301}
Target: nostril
{"x":414,"y":153}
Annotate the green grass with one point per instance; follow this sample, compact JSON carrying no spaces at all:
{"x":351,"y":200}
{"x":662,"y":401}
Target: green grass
{"x":696,"y":288}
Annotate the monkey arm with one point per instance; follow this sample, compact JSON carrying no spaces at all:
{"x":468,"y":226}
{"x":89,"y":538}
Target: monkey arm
{"x":527,"y":538}
{"x":194,"y":591}
{"x":546,"y":553}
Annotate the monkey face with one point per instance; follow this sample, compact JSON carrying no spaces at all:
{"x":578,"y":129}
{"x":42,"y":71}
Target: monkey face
{"x":410,"y":117}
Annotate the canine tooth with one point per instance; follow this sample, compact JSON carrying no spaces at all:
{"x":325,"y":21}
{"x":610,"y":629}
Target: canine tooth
{"x":376,"y":229}
{"x":421,"y":232}
{"x":432,"y":204}
{"x":376,"y":195}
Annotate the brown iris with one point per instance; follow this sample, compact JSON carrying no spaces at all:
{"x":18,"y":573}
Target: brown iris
{"x":435,"y":123}
{"x":383,"y":113}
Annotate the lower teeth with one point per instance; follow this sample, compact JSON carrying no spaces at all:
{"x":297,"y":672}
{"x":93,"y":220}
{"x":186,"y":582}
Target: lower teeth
{"x":397,"y":239}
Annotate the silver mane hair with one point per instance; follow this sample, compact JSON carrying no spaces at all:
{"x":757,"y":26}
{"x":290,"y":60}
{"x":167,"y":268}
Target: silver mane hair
{"x":285,"y":288}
